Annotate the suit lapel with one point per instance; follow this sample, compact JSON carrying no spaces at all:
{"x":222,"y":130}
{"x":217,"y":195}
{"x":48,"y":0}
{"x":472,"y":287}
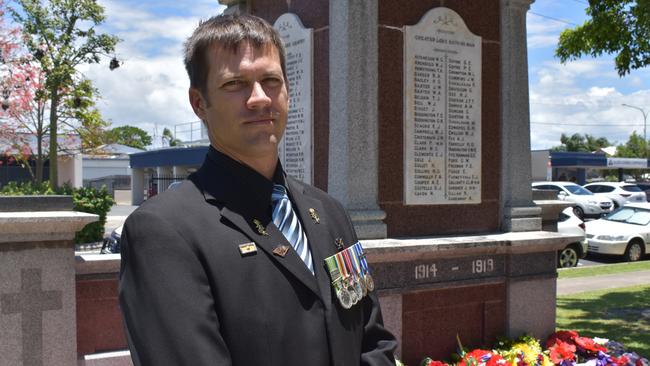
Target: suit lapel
{"x":291,"y":261}
{"x":321,"y":242}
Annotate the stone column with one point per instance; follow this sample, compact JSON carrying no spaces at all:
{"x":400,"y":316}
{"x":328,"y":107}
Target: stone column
{"x":353,"y":116}
{"x":37,"y":291}
{"x":137,"y":186}
{"x":518,"y":212}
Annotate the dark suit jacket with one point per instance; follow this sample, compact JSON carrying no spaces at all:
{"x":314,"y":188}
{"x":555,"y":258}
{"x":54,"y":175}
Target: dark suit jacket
{"x":189,"y":297}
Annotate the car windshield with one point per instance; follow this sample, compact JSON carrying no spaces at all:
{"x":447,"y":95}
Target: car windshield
{"x":576,"y":189}
{"x":630,"y":215}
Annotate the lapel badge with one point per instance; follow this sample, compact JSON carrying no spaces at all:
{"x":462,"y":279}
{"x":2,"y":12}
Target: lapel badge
{"x":314,"y":215}
{"x":247,"y":248}
{"x":281,"y":250}
{"x":339,"y":244}
{"x":260,"y":229}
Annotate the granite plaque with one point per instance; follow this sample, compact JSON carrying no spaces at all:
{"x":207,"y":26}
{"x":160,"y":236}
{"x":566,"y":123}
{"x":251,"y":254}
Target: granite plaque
{"x":297,"y":145}
{"x":442,"y":111}
{"x":413,"y":274}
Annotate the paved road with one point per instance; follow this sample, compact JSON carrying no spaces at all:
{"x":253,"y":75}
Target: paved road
{"x":116,"y":217}
{"x":583,"y":284}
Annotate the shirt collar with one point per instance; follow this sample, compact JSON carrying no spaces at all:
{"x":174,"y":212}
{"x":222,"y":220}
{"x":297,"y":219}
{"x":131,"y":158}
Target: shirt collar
{"x":244,"y":176}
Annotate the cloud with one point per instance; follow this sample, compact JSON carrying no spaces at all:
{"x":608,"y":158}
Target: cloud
{"x":149,"y":89}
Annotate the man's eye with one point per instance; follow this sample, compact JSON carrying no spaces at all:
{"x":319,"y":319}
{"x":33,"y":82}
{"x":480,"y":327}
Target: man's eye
{"x":233,"y":83}
{"x":273,"y":81}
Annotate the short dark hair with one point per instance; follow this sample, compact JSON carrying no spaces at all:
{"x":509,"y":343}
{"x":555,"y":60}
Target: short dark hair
{"x":227,"y":32}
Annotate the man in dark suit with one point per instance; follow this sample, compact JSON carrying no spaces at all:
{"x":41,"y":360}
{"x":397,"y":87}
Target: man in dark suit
{"x":228,"y":268}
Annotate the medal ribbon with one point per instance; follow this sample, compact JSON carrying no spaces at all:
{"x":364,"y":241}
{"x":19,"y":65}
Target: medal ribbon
{"x":341,"y":264}
{"x":348,"y":262}
{"x":333,"y":269}
{"x":362,"y":257}
{"x":355,"y":262}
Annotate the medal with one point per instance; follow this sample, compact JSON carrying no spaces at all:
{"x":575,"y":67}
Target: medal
{"x":337,"y":282}
{"x":354,"y":278}
{"x":348,"y":284}
{"x":370,"y":283}
{"x":357,"y":268}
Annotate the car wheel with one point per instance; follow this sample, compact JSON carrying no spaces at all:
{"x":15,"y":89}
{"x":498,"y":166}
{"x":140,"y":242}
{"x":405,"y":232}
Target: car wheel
{"x":633,"y":252}
{"x":568,"y":257}
{"x":578,"y":211}
{"x":616,"y":205}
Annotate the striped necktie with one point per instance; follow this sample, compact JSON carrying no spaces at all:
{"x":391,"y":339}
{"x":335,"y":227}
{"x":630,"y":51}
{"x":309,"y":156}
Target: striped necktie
{"x":287,"y":221}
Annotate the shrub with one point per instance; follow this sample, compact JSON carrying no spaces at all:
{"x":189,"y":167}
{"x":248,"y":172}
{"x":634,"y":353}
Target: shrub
{"x":90,"y":200}
{"x":94,"y":201}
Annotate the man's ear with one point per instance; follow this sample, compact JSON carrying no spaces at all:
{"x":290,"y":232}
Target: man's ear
{"x":198,"y":103}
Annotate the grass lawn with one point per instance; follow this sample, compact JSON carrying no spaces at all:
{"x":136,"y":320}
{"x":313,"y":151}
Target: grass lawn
{"x":603,"y":269}
{"x":614,"y":314}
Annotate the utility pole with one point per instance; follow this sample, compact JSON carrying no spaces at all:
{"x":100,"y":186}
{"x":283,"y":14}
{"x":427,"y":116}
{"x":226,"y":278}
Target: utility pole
{"x":645,"y":121}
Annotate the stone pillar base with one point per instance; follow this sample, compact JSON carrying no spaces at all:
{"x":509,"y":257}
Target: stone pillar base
{"x":517,"y":219}
{"x":369,"y":224}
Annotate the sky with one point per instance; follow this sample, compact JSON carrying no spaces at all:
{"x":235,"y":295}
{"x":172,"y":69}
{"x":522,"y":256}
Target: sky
{"x":149,"y":90}
{"x":583,"y":96}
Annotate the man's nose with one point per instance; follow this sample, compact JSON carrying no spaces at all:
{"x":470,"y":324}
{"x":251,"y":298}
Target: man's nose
{"x":258,"y":97}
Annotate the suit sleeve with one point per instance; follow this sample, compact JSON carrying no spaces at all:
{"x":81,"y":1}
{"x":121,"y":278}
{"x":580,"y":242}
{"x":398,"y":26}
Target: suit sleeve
{"x":379,"y":344}
{"x":165,"y":297}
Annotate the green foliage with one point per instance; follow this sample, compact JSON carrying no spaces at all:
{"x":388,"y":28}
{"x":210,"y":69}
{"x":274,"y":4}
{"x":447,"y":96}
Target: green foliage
{"x":635,"y":147}
{"x":129,"y":136}
{"x":169,"y":137}
{"x":61,"y":35}
{"x":620,"y":27}
{"x":90,"y":200}
{"x":94,"y":201}
{"x":578,"y":142}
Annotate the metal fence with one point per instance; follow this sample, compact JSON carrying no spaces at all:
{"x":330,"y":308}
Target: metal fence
{"x":112,"y":182}
{"x":158,"y":184}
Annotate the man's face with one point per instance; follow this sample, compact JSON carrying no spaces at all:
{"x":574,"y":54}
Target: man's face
{"x":246,"y":101}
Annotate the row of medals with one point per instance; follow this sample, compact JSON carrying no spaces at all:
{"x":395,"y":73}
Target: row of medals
{"x":350,"y":275}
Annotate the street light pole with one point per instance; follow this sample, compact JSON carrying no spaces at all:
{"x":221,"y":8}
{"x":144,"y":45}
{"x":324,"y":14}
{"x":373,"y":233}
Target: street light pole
{"x":645,"y":120}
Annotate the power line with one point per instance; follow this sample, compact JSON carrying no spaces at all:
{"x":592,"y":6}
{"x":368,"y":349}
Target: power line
{"x":553,"y":18}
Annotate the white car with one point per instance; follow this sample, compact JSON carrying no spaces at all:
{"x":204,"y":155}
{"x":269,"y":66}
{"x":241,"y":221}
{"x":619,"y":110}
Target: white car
{"x":623,"y":232}
{"x":619,"y":192}
{"x":569,"y":223}
{"x":587,"y":204}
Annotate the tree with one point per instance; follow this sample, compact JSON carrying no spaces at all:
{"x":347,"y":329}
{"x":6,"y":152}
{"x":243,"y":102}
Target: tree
{"x":620,"y":27}
{"x":635,"y":147}
{"x":61,"y":35}
{"x":578,"y":142}
{"x":129,"y":136}
{"x":17,"y":83}
{"x":169,"y":137}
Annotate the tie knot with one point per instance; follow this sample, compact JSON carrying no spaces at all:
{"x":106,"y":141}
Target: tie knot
{"x":279,"y":192}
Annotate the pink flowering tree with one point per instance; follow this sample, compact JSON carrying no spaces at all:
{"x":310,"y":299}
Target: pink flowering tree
{"x":25,"y":113}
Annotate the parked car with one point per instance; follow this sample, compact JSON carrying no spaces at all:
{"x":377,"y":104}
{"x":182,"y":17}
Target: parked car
{"x":587,"y":204}
{"x":569,"y":223}
{"x":623,"y":232}
{"x":619,"y":192}
{"x":645,"y":187}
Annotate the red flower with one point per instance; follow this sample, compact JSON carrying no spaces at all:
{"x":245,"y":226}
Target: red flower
{"x":620,"y":361}
{"x":589,"y":345}
{"x":481,"y":357}
{"x":564,"y":335}
{"x":435,"y":363}
{"x":561,"y":351}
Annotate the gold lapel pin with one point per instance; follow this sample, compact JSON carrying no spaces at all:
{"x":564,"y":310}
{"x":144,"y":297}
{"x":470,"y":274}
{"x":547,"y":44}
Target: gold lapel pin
{"x":260,"y":229}
{"x":281,"y":250}
{"x":247,"y":248}
{"x":314,"y":215}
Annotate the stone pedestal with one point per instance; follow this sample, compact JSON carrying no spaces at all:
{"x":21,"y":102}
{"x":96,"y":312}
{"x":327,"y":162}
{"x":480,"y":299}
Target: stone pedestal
{"x":476,"y":287}
{"x":37,"y":291}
